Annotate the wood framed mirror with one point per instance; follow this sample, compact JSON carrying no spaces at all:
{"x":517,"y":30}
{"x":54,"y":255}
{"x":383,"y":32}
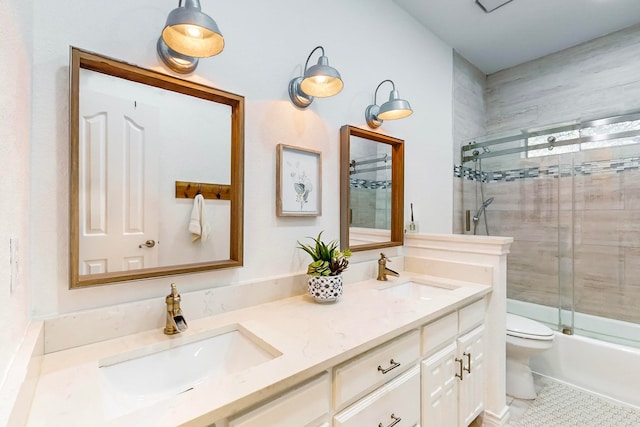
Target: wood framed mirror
{"x":371,"y":189}
{"x":142,"y":146}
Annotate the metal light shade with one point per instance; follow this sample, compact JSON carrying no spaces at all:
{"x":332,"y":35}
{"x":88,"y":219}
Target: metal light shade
{"x":394,"y":108}
{"x":320,"y":80}
{"x":190,"y":32}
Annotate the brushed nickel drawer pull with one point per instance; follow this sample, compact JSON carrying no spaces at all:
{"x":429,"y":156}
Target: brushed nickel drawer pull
{"x":395,"y":419}
{"x":461,"y":374}
{"x":468,"y":368}
{"x":394,"y":365}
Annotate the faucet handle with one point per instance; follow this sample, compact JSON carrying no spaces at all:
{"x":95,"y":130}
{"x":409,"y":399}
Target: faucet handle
{"x":383,"y":258}
{"x":174,"y":292}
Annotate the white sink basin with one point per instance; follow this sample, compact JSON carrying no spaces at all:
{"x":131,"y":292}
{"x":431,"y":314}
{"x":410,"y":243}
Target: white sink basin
{"x":148,"y":375}
{"x":418,"y":289}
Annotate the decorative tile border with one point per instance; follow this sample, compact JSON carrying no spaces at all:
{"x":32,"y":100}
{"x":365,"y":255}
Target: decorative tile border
{"x":469,"y":173}
{"x":545,"y":172}
{"x":370,"y":184}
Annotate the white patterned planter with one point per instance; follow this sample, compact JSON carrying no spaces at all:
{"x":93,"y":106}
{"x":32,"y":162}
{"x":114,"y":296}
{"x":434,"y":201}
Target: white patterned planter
{"x":325,"y":288}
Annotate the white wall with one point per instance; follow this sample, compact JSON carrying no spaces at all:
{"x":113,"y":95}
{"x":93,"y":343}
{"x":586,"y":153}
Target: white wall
{"x":266,"y":45}
{"x":15,"y":102}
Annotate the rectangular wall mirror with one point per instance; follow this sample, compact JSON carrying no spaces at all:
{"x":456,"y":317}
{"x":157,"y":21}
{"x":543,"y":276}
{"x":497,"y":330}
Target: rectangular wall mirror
{"x":371,"y":189}
{"x":143,"y":145}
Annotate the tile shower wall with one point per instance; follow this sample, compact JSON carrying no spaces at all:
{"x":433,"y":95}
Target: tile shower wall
{"x":369,"y":206}
{"x":593,"y":79}
{"x":370,"y":185}
{"x":469,"y":121}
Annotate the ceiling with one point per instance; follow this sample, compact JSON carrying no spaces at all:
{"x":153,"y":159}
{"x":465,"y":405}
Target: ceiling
{"x":521,"y":30}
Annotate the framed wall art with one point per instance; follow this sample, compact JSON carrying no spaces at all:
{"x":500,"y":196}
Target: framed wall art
{"x":298,"y":181}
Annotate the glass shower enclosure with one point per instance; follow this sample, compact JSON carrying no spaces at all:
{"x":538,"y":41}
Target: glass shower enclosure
{"x":569,"y":195}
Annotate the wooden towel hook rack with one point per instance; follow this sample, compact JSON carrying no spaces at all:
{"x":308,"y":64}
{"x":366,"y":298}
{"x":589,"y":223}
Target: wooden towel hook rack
{"x":189,"y":190}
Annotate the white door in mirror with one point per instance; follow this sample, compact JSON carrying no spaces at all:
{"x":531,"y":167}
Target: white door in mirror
{"x":118,"y":184}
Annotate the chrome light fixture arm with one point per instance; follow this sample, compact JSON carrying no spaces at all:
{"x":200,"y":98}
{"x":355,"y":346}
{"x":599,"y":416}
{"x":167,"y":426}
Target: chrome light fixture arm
{"x":320,"y":80}
{"x":394,"y":108}
{"x":371,"y":113}
{"x":175,"y":61}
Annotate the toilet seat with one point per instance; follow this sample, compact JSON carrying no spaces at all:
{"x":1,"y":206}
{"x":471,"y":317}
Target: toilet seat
{"x":521,"y":327}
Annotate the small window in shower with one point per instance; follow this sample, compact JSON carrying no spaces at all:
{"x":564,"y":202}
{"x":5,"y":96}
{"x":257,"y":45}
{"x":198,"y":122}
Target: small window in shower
{"x":555,"y":141}
{"x":596,"y":134}
{"x":611,"y":135}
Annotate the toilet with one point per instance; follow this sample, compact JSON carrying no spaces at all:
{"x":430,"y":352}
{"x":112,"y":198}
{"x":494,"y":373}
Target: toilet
{"x":525,"y":338}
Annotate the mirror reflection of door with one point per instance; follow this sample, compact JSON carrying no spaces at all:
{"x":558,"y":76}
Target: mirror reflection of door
{"x":118,"y":184}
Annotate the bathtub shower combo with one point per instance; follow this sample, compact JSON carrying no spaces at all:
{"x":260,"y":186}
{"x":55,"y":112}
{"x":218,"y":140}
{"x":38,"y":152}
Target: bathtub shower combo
{"x":570,"y":196}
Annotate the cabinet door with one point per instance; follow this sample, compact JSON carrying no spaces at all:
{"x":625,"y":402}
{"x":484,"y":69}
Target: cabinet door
{"x":471,"y":388}
{"x":440,"y":389}
{"x":396,"y":403}
{"x":306,"y":405}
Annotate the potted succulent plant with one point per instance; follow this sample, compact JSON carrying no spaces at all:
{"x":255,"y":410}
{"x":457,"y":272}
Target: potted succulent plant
{"x":325,"y":269}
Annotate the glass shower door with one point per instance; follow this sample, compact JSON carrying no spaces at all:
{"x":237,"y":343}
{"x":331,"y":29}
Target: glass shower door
{"x":606,"y":235}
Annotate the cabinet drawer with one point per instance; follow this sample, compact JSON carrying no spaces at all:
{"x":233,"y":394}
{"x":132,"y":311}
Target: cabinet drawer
{"x":471,"y":316}
{"x":361,"y":375}
{"x":439,"y":332}
{"x":305,"y":405}
{"x":396,"y":400}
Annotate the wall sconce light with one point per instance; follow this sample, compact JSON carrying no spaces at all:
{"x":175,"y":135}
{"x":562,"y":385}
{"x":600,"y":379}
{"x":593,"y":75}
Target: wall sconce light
{"x":394,"y":108}
{"x":189,"y":34}
{"x":319,"y":81}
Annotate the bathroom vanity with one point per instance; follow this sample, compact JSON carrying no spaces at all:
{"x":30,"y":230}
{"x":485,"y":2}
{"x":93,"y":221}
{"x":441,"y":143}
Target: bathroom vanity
{"x":357,"y":362}
{"x":383,"y":385}
{"x":400,"y":349}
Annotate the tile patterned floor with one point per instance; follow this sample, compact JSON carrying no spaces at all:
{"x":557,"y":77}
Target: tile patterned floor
{"x":559,"y":405}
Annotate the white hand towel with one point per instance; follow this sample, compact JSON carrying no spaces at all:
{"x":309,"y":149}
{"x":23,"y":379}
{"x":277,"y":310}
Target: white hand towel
{"x":197,"y":225}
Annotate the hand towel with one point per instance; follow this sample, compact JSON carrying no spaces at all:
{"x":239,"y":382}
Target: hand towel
{"x":197,"y":225}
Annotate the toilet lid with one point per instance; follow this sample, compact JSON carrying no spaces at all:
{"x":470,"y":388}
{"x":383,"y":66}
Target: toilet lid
{"x":518,"y":326}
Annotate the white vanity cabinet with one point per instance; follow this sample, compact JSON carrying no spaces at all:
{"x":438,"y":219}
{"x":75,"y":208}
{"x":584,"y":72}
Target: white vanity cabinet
{"x":396,"y":403}
{"x":453,"y":368}
{"x":306,"y":405}
{"x":383,"y":382}
{"x":470,"y":349}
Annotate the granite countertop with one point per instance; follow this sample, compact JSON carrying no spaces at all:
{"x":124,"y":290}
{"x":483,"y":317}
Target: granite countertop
{"x":309,"y":338}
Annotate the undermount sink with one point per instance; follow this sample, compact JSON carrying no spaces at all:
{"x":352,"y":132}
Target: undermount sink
{"x":418,"y":289}
{"x":148,"y":375}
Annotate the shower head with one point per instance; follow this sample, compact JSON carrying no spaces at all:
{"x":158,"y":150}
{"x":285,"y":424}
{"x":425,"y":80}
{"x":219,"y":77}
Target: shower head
{"x":478,"y":214}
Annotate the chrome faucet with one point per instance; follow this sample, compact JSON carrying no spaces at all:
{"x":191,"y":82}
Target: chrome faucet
{"x":383,"y":270}
{"x":176,"y":322}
